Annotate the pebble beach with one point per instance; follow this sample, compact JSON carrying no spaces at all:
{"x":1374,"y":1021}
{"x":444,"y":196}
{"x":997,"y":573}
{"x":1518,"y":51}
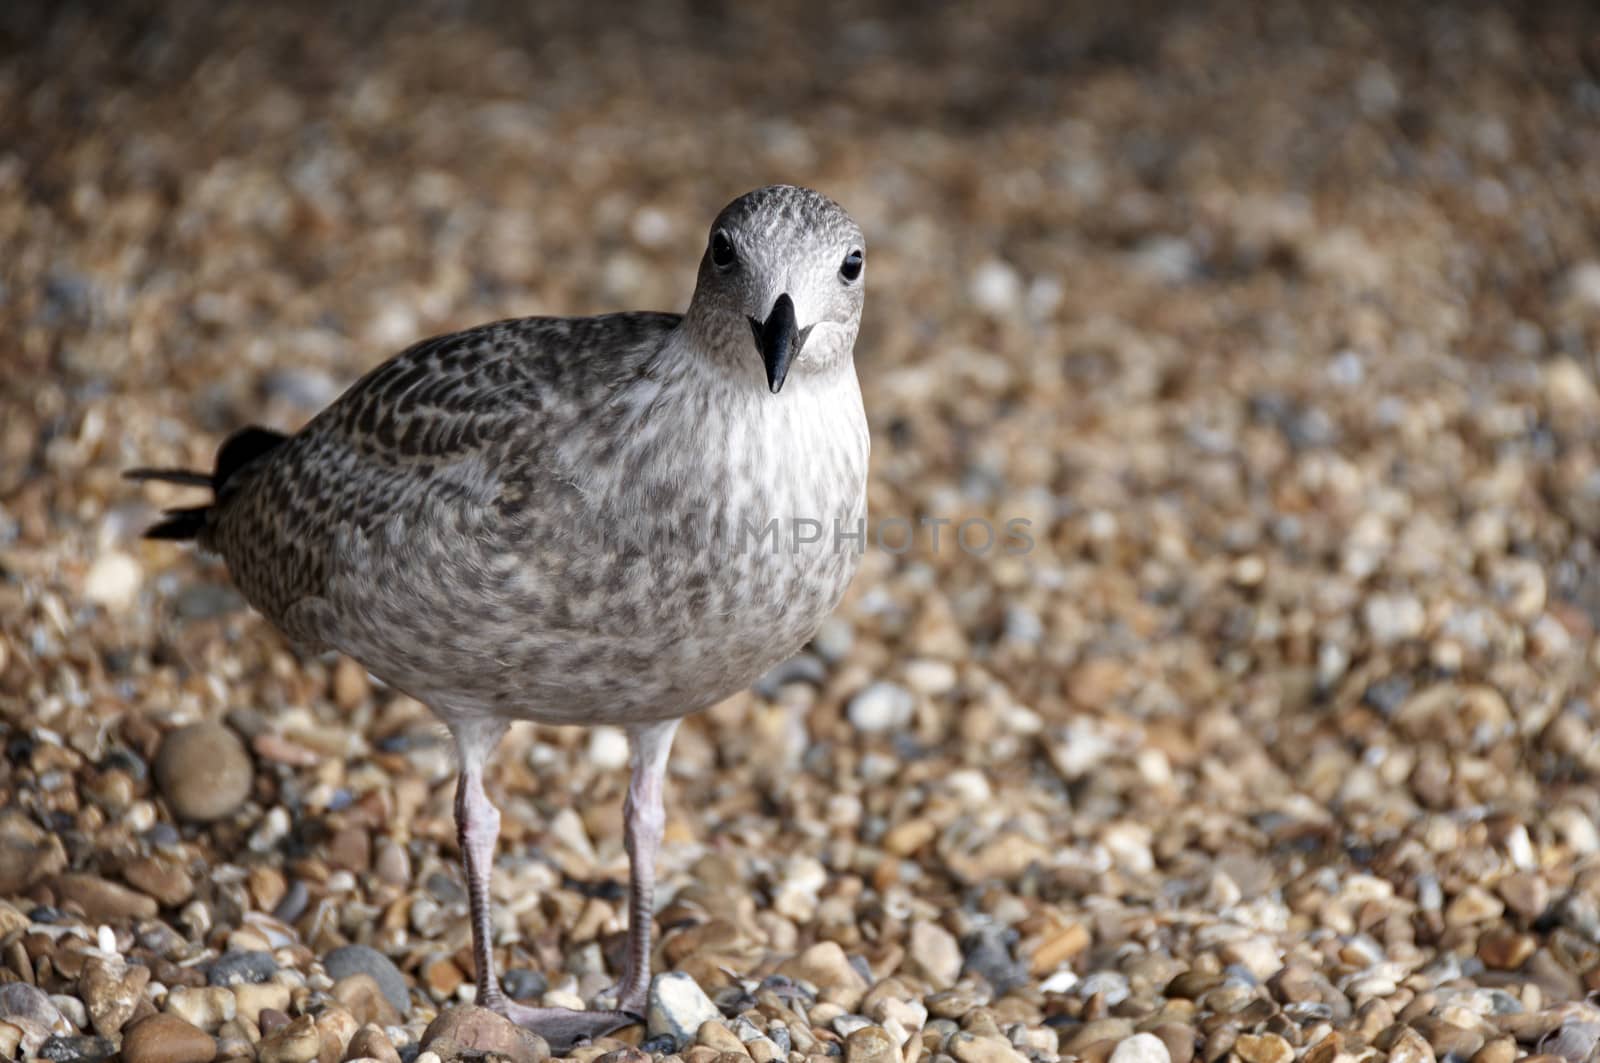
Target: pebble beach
{"x":1274,"y":738}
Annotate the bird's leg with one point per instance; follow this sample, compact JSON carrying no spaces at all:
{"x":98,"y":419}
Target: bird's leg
{"x":477,"y":830}
{"x":644,"y":817}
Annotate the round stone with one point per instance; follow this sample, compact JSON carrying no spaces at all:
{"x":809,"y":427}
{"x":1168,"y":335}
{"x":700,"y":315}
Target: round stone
{"x":164,"y":1038}
{"x":204,"y":772}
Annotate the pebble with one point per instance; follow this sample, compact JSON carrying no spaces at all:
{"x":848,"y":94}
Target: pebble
{"x":76,"y":1048}
{"x":251,"y":998}
{"x":297,"y":1042}
{"x":934,"y":954}
{"x":114,"y":580}
{"x":111,"y":991}
{"x":825,"y":966}
{"x":1141,"y":1048}
{"x":679,"y":1007}
{"x":470,"y":1032}
{"x":1263,"y":1048}
{"x":207,"y":1007}
{"x":882,"y":707}
{"x":365,"y":999}
{"x":204,"y":772}
{"x":29,"y":1010}
{"x":370,"y":1042}
{"x":871,"y":1044}
{"x":348,"y":960}
{"x":103,"y":901}
{"x":971,"y":1048}
{"x":246,"y":966}
{"x":165,"y":1038}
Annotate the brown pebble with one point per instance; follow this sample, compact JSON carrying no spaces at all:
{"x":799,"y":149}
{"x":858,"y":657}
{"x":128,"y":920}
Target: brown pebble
{"x":350,"y":684}
{"x":370,"y":1042}
{"x":104,"y":901}
{"x":162,"y":878}
{"x":1179,"y":1039}
{"x":163,"y":1038}
{"x":204,"y":772}
{"x":297,"y":1042}
{"x":1263,"y":1048}
{"x":362,"y":995}
{"x":468,"y":1028}
{"x":1504,"y":949}
{"x":870,"y":1044}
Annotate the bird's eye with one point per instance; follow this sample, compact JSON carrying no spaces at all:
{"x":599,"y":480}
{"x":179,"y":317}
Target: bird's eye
{"x":722,"y":253}
{"x":851,"y":269}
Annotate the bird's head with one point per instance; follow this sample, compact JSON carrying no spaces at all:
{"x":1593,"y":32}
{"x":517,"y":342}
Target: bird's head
{"x":783,"y":271}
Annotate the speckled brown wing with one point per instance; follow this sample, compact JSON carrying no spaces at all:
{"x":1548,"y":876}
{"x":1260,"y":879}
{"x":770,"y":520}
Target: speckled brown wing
{"x":448,"y":423}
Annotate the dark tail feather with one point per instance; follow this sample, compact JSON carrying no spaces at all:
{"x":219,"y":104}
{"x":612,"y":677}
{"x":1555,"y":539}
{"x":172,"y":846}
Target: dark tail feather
{"x":188,"y":477}
{"x":180,"y":524}
{"x":237,"y":451}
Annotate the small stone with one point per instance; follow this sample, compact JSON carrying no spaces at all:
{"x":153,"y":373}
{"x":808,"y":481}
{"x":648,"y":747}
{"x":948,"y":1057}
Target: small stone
{"x":76,"y":1048}
{"x":713,"y":1034}
{"x":608,"y":748}
{"x":347,"y":960}
{"x":113,"y":580}
{"x":1059,"y":948}
{"x":441,"y":976}
{"x":335,"y":1028}
{"x":162,"y":878}
{"x":103,"y":901}
{"x":162,"y":1038}
{"x":364,"y":997}
{"x":881,"y":707}
{"x":207,"y":1007}
{"x":244,"y":966}
{"x":871,"y":1044}
{"x":31,"y":1013}
{"x":1141,"y":1048}
{"x":111,"y":991}
{"x":1410,"y":1047}
{"x":1392,"y":618}
{"x":970,"y":1048}
{"x":204,"y":772}
{"x":1263,"y":1048}
{"x":1179,"y":1040}
{"x":678,"y":1007}
{"x":1474,"y":904}
{"x":1525,"y":893}
{"x":28,"y":853}
{"x":252,"y":998}
{"x":1448,"y":1039}
{"x":470,"y":1032}
{"x":825,"y":966}
{"x":350,"y":684}
{"x":934,"y":954}
{"x":370,"y":1042}
{"x":298,"y":1042}
{"x":1504,"y":949}
{"x":1496,"y":1050}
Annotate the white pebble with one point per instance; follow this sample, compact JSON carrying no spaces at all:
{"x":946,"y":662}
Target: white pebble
{"x":608,"y":748}
{"x":996,"y":288}
{"x":1141,"y":1048}
{"x":883,"y":706}
{"x":113,"y":580}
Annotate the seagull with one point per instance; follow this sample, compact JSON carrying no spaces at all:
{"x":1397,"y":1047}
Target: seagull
{"x":614,"y":520}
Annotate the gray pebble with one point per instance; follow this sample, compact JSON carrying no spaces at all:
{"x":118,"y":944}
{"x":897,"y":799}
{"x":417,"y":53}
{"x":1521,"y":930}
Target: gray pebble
{"x":347,"y":960}
{"x":241,"y":968}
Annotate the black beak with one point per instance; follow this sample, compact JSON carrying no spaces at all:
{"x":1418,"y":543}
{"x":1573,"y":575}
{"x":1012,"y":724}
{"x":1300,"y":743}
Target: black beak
{"x":779,"y":340}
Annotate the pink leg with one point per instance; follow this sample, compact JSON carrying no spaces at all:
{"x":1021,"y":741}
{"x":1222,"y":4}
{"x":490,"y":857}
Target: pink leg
{"x":477,"y":830}
{"x":645,"y":819}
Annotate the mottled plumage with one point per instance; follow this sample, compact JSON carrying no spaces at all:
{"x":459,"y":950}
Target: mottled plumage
{"x":569,"y":520}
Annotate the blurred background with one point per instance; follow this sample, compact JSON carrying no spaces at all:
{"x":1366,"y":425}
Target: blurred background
{"x":1278,"y":320}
